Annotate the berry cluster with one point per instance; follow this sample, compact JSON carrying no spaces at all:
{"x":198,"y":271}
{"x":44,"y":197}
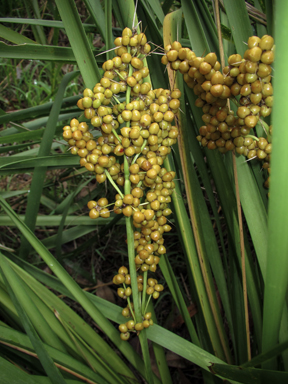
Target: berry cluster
{"x":136,"y":136}
{"x":153,"y":289}
{"x":246,"y":81}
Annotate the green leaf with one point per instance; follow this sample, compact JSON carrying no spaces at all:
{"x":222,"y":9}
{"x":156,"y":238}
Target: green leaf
{"x":254,"y":209}
{"x":263,"y":357}
{"x":157,"y":9}
{"x":69,"y":201}
{"x":125,"y":12}
{"x":80,"y":296}
{"x":10,"y":374}
{"x":11,"y":148}
{"x":38,"y":28}
{"x":19,"y":137}
{"x":15,"y":37}
{"x":40,"y":110}
{"x":26,"y":162}
{"x":39,"y":174}
{"x":10,"y":278}
{"x":194,"y":28}
{"x":209,"y":303}
{"x":44,"y":23}
{"x":40,"y":323}
{"x":249,"y":375}
{"x":239,"y":23}
{"x":79,"y":42}
{"x":74,"y":366}
{"x":277,"y":262}
{"x":270,"y":14}
{"x":37,"y":52}
{"x":71,"y":234}
{"x":172,"y":283}
{"x":182,"y":347}
{"x":156,"y":333}
{"x":95,"y":9}
{"x":108,"y":30}
{"x":54,"y":220}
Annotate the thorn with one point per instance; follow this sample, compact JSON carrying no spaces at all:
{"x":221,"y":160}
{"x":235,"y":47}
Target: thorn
{"x":252,"y":158}
{"x":102,"y":53}
{"x":157,"y":53}
{"x":134,"y":16}
{"x":158,"y":46}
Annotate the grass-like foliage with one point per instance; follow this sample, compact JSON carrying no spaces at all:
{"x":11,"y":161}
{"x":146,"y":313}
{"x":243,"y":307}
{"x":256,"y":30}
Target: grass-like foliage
{"x":222,"y":314}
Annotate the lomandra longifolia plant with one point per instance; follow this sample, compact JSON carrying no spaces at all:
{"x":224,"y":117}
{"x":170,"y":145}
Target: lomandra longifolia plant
{"x":137,"y":135}
{"x":124,"y":132}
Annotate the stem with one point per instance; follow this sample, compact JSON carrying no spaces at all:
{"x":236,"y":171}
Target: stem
{"x":117,"y":101}
{"x":253,"y":137}
{"x":131,"y":258}
{"x":131,"y":250}
{"x":129,"y":227}
{"x":144,"y":293}
{"x":113,"y":183}
{"x":242,"y":250}
{"x":147,"y":304}
{"x":121,"y":77}
{"x":146,"y":356}
{"x":138,"y":154}
{"x":131,"y":309}
{"x":108,"y":29}
{"x":116,"y":135}
{"x":265,"y":126}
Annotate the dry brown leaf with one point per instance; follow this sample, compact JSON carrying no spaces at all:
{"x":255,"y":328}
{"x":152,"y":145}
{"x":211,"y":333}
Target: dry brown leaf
{"x":175,"y":361}
{"x":47,"y":270}
{"x":183,"y":378}
{"x":192,"y":309}
{"x":86,"y":190}
{"x":105,"y":292}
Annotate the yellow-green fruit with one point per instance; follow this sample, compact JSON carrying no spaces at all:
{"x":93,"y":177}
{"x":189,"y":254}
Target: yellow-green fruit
{"x":172,"y":55}
{"x":87,"y":102}
{"x":164,"y":60}
{"x":253,"y":41}
{"x":138,"y":217}
{"x":242,"y":112}
{"x":142,"y":39}
{"x":216,"y":90}
{"x":261,"y":154}
{"x":139,"y":326}
{"x":251,"y":121}
{"x":205,"y":68}
{"x":211,"y":58}
{"x":101,"y":178}
{"x":266,"y":43}
{"x":262,"y":143}
{"x":253,"y":54}
{"x":130,"y":324}
{"x":146,"y":324}
{"x":94,"y":214}
{"x":235,"y":59}
{"x":137,"y":63}
{"x":155,"y":295}
{"x":267,"y":90}
{"x":267,"y":57}
{"x":124,"y":336}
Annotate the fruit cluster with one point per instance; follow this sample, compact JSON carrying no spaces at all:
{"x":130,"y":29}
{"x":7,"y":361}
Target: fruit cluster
{"x":246,"y":81}
{"x":136,"y":136}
